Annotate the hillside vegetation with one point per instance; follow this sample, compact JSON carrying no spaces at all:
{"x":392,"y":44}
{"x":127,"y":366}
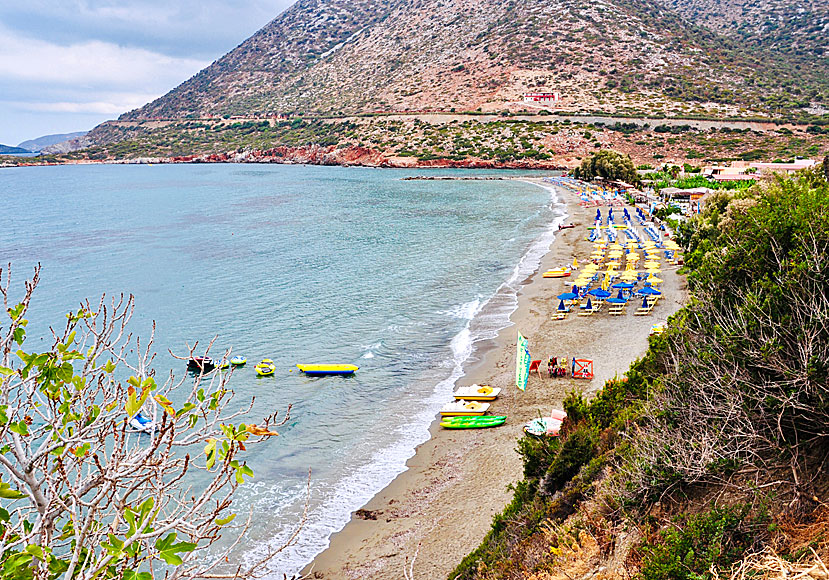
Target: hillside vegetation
{"x":406,"y":139}
{"x":711,"y":451}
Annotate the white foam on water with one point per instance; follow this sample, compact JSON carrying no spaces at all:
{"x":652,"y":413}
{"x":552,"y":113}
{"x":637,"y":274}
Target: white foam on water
{"x":465,"y":311}
{"x":331,"y":505}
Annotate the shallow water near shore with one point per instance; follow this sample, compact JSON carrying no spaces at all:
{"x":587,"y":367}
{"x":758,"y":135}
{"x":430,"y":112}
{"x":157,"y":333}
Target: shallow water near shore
{"x":298,"y":264}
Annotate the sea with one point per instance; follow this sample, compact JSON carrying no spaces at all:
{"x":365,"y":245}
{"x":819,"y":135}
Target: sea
{"x":301,"y":264}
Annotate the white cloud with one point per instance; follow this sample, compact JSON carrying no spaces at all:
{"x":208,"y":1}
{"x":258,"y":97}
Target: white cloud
{"x":114,"y":107}
{"x":91,"y":63}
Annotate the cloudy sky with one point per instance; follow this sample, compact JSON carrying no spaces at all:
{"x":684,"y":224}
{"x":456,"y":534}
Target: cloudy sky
{"x":67,"y":65}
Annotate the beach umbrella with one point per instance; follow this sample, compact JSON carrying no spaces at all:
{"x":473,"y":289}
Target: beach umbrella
{"x":623,"y":285}
{"x":575,"y":290}
{"x":616,"y":300}
{"x":599,"y":293}
{"x":561,"y":306}
{"x":649,"y":291}
{"x":598,"y":214}
{"x":654,"y":280}
{"x":620,"y":295}
{"x":567,"y":296}
{"x":589,"y":305}
{"x":653,"y":270}
{"x":645,"y":302}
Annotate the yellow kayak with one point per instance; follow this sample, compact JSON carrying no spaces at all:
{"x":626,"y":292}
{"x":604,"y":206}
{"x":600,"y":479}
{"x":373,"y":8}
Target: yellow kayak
{"x":319,"y":370}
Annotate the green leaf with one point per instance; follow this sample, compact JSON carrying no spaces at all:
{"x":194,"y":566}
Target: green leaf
{"x":109,"y":367}
{"x":20,"y":428}
{"x":6,"y":371}
{"x":210,"y":451}
{"x":225,"y":521}
{"x":6,"y":492}
{"x":35,"y":551}
{"x":171,"y":558}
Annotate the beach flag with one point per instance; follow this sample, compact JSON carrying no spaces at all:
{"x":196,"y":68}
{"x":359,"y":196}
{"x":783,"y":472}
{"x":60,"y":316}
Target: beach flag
{"x":522,"y":362}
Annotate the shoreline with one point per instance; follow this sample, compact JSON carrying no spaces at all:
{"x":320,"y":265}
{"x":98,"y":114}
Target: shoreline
{"x":457,"y":480}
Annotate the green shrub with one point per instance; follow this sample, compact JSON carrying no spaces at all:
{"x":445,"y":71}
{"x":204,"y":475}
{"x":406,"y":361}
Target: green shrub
{"x":577,"y":449}
{"x":537,"y":454}
{"x":689,"y":548}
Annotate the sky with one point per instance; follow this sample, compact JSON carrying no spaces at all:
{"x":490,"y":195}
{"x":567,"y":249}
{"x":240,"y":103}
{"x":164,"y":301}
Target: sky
{"x":67,"y":65}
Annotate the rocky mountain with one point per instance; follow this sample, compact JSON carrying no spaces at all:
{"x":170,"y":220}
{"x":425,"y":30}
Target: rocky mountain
{"x":8,"y":150}
{"x":669,"y":57}
{"x":786,"y":26}
{"x":45,"y":141}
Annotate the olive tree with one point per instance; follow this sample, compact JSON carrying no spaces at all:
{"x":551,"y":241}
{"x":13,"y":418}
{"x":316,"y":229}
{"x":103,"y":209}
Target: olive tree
{"x":82,"y":495}
{"x":608,"y":164}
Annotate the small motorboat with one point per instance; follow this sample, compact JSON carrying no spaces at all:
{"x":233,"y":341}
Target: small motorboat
{"x":477,"y":393}
{"x":238,"y":361}
{"x":320,"y":370}
{"x":482,"y":422}
{"x":201,"y":364}
{"x":556,"y":273}
{"x":224,"y":365}
{"x":265,"y":368}
{"x":141,"y":423}
{"x":464,"y":409}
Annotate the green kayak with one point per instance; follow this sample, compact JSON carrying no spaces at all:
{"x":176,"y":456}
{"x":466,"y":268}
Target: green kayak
{"x":479,"y":422}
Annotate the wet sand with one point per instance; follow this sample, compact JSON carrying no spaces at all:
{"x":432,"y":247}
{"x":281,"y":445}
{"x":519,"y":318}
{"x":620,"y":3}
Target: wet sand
{"x":441,"y":507}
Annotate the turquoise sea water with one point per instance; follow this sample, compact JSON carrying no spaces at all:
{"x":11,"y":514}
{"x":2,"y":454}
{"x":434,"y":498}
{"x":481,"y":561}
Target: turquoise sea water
{"x":298,"y":264}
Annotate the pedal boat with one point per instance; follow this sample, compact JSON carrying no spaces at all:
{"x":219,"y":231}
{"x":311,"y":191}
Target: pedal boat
{"x":477,"y":393}
{"x":238,"y":361}
{"x":556,"y":273}
{"x":464,"y":409}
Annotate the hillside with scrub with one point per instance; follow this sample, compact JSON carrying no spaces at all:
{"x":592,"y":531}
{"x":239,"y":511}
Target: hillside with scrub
{"x":707,"y":460}
{"x":343,"y":57}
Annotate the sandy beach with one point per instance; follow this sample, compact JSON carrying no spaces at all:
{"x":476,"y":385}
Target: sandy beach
{"x":441,"y":507}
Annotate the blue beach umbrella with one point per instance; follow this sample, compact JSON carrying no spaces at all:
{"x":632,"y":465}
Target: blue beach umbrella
{"x":589,"y":305}
{"x":621,"y":296}
{"x":645,"y":302}
{"x":561,"y":306}
{"x":598,"y":214}
{"x":599,"y":293}
{"x":616,"y":300}
{"x":567,"y":296}
{"x":649,"y":291}
{"x":575,"y":289}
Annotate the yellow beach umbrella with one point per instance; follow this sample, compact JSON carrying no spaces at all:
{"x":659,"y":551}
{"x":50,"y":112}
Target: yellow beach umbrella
{"x":575,"y":263}
{"x":655,"y":280}
{"x":651,"y":264}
